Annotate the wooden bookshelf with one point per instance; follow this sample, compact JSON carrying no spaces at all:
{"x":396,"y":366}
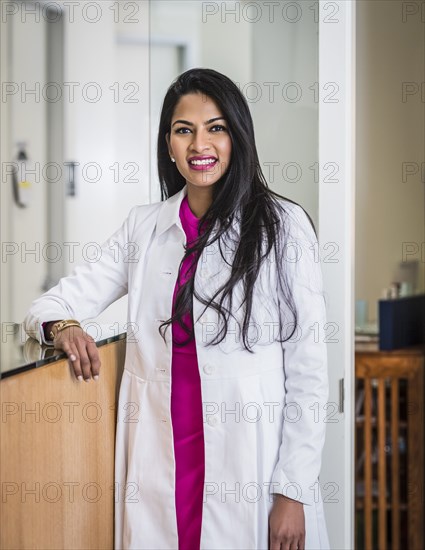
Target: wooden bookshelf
{"x":389,"y":448}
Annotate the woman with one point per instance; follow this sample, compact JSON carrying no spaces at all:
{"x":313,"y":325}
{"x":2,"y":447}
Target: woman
{"x":223,"y":446}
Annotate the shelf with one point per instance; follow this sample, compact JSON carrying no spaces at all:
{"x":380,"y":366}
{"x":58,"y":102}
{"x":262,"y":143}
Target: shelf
{"x":360,"y":505}
{"x":360,"y":420}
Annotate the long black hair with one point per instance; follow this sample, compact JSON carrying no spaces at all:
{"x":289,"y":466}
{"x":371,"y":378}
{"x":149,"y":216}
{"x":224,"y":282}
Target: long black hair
{"x":242,"y":191}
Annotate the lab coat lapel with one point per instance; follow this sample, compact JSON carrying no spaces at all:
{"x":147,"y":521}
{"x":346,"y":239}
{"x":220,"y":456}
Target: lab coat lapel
{"x":160,"y":268}
{"x":163,"y":263}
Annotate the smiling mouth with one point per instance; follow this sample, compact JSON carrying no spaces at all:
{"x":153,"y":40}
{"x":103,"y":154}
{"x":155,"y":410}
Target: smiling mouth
{"x":202,"y":164}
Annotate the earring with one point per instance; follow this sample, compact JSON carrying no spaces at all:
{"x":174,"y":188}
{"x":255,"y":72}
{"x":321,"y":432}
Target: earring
{"x":173,"y":159}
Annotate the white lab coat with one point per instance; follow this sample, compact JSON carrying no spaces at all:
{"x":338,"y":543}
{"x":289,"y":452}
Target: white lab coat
{"x":263,"y":413}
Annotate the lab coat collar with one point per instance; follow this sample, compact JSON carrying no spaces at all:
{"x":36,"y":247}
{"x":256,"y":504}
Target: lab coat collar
{"x":169,"y":213}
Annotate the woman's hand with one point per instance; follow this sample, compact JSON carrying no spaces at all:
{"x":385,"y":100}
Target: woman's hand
{"x":287,"y":524}
{"x":82,"y":352}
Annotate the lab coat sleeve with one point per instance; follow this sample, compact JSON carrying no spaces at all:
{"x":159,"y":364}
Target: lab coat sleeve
{"x":305,"y":365}
{"x":90,"y":288}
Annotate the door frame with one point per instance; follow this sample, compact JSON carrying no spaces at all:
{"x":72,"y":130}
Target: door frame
{"x":337,"y":63}
{"x":6,"y":291}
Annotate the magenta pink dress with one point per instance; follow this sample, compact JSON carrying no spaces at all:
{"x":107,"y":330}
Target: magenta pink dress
{"x":186,"y":414}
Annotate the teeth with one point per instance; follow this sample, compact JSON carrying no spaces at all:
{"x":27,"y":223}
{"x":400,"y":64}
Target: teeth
{"x":202,"y":162}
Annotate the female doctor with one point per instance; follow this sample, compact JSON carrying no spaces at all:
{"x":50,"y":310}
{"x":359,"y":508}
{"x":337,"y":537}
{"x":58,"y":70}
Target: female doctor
{"x":226,"y":367}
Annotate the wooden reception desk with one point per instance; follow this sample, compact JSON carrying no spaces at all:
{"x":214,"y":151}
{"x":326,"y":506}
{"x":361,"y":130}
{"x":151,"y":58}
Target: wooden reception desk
{"x":57,"y":455}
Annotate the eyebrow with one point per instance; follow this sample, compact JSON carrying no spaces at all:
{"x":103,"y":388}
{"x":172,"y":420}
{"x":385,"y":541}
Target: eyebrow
{"x":205,"y":123}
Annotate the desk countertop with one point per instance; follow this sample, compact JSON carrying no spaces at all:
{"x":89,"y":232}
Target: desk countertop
{"x":20,"y":353}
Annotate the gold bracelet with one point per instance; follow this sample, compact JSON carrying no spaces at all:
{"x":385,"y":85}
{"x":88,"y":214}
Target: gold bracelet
{"x":61,"y":325}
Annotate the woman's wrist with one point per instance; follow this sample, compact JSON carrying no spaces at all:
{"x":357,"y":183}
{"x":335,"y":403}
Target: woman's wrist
{"x":47,"y":327}
{"x":59,"y":326}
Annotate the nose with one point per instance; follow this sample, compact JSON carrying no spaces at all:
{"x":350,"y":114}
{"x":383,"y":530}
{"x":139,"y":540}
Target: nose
{"x":200,"y":141}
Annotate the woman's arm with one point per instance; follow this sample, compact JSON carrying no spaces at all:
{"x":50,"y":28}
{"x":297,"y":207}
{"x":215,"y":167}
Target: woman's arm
{"x":306,"y":371}
{"x":91,"y":288}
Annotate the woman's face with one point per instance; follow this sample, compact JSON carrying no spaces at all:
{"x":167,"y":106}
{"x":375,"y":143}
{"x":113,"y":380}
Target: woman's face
{"x":199,"y":140}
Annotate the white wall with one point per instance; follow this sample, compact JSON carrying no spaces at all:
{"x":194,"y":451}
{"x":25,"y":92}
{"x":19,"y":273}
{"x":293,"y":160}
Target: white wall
{"x":286,"y":53}
{"x":226,"y":40}
{"x":390,"y":132}
{"x":272,"y":46}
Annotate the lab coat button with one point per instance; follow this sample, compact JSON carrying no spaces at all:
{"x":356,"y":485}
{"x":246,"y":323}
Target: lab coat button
{"x":212,"y":421}
{"x":208,"y":369}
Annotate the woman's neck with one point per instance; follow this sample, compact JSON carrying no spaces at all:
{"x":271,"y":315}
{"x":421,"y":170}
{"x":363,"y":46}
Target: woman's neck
{"x":199,"y":198}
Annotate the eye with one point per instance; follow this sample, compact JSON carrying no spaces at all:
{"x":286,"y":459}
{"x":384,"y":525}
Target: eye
{"x":181,"y":130}
{"x":220,"y":127}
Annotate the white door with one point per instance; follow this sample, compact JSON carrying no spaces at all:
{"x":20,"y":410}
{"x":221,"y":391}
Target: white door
{"x":23,"y":120}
